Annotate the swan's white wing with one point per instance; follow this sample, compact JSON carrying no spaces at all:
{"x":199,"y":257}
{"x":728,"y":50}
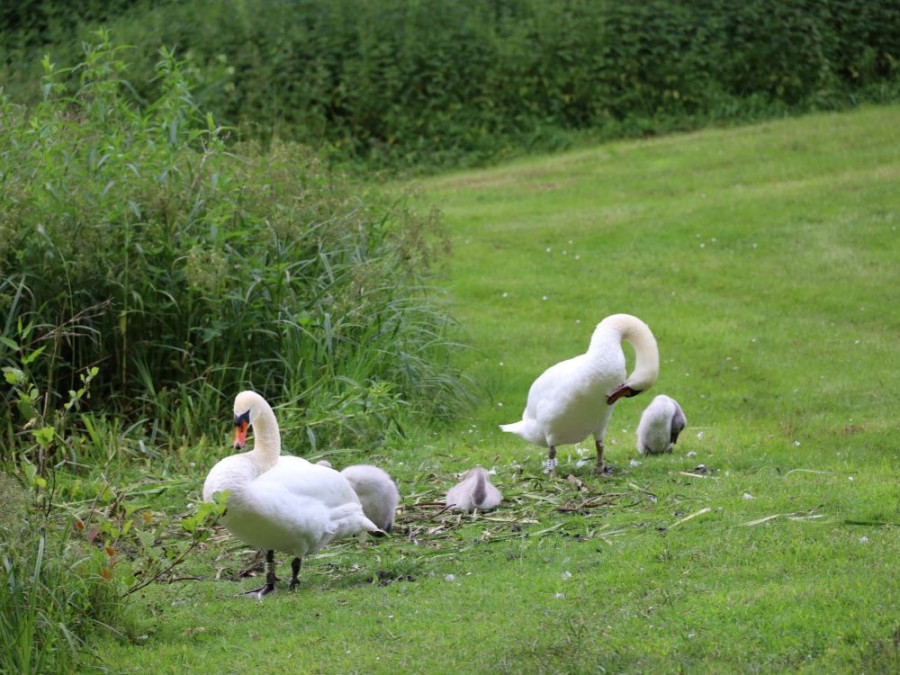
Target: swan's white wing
{"x":568,"y":400}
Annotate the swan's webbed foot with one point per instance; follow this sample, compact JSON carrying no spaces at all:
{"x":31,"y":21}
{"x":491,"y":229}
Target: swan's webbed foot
{"x":262,"y":591}
{"x":606,"y":470}
{"x":550,"y":464}
{"x":258,"y":593}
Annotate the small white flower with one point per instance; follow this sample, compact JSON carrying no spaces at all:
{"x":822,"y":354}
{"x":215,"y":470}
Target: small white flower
{"x":499,"y":404}
{"x":634,"y":462}
{"x":566,"y":575}
{"x":544,"y":297}
{"x":450,"y":577}
{"x":691,"y":454}
{"x":796,"y":444}
{"x":560,"y":596}
{"x":700,"y":435}
{"x":849,"y":477}
{"x":549,"y":249}
{"x":505,"y":294}
{"x":863,"y":540}
{"x":747,"y":495}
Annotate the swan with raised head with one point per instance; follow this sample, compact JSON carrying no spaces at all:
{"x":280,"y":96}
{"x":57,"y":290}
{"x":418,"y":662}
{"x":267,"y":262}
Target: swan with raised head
{"x":474,"y":492}
{"x":376,"y":491}
{"x":575,"y":398}
{"x":661,"y":423}
{"x":278,"y":502}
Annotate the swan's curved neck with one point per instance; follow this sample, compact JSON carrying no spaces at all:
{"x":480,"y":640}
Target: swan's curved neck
{"x":630,"y":329}
{"x":266,"y":438}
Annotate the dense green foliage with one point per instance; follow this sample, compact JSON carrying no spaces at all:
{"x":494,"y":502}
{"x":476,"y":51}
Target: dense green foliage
{"x":52,"y":596}
{"x":142,"y":257}
{"x":412,"y":82}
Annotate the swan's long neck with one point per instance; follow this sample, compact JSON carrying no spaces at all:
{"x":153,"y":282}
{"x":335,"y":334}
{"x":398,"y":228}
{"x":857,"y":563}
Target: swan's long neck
{"x":630,"y":329}
{"x":266,"y":438}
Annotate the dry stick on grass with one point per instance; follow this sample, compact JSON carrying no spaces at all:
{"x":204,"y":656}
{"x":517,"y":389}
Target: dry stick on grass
{"x":693,"y":515}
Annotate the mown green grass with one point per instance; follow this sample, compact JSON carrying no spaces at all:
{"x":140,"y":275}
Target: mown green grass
{"x":765,"y":261}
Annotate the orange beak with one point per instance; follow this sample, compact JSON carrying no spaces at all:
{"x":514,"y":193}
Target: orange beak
{"x":240,"y":433}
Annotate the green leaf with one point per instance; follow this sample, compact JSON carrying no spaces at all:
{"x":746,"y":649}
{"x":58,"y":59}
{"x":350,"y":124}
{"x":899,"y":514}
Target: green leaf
{"x":33,"y":355}
{"x":44,"y":436}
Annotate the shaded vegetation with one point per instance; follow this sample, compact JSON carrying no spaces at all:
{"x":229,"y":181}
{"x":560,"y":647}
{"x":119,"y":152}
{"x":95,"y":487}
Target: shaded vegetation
{"x":143,"y":256}
{"x":427,"y":83}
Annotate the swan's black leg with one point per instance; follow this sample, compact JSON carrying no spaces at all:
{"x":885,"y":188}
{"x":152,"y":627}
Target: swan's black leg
{"x":295,"y":570}
{"x":601,"y":467}
{"x":270,"y":579}
{"x":550,"y":464}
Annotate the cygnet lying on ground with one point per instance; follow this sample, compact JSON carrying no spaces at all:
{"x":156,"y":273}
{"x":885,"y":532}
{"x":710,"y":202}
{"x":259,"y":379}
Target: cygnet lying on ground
{"x":474,"y":492}
{"x":660,"y":424}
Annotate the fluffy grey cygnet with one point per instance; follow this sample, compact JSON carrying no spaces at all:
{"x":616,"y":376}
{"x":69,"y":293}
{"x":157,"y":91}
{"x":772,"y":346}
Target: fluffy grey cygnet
{"x":660,"y":424}
{"x":474,"y":492}
{"x":376,"y":491}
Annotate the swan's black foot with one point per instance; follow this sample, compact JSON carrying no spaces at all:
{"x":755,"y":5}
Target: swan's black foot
{"x":263,"y":591}
{"x":550,"y":467}
{"x":606,"y":470}
{"x":258,"y":593}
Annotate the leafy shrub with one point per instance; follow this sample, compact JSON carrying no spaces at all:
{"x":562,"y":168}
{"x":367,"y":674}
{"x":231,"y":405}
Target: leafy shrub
{"x":52,"y":594}
{"x":405,"y":83}
{"x":135,"y":240}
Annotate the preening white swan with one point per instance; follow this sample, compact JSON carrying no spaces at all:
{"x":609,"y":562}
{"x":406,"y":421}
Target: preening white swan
{"x":278,"y":502}
{"x":376,"y":491}
{"x":574,"y":398}
{"x":474,"y":492}
{"x":660,"y":424}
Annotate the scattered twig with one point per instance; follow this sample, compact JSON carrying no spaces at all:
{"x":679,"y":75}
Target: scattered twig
{"x":693,"y":515}
{"x":799,"y":515}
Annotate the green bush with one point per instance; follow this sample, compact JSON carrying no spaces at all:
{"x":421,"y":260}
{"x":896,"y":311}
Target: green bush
{"x":405,"y":83}
{"x":52,"y":594}
{"x":135,"y":240}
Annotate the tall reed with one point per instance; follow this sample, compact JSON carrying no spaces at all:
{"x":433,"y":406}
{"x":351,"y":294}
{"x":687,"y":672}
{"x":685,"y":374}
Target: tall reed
{"x":142,"y":239}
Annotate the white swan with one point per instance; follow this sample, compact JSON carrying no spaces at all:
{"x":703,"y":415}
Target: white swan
{"x":661,"y":423}
{"x":376,"y":491}
{"x":574,"y":398}
{"x":279,"y":502}
{"x":474,"y":492}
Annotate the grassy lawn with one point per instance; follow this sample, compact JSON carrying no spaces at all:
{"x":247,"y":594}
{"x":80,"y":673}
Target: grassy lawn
{"x":766,"y":260}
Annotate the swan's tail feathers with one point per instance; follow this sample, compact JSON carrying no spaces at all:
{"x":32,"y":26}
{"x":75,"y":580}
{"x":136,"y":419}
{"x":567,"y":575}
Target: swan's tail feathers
{"x":514,"y":428}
